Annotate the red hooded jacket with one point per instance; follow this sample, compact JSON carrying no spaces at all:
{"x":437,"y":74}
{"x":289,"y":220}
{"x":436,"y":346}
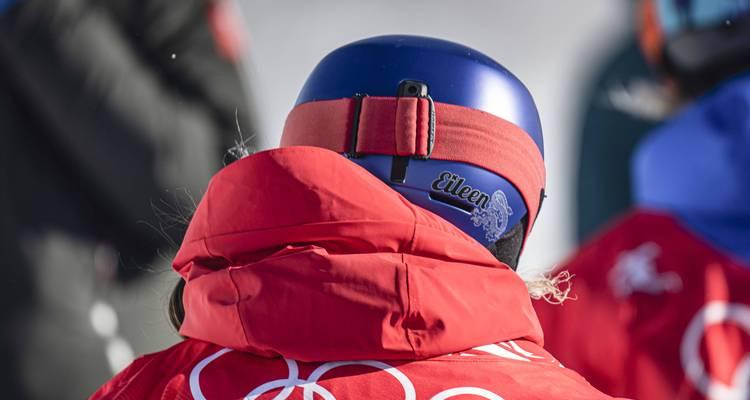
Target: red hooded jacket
{"x":297,"y":257}
{"x":659,"y":314}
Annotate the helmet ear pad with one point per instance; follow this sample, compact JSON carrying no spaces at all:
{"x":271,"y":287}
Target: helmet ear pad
{"x":507,"y":249}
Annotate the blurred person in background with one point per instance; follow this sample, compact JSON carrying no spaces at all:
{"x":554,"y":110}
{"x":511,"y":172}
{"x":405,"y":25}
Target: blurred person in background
{"x":663,"y":298}
{"x":623,"y":104}
{"x":109,"y":110}
{"x":386,"y":230}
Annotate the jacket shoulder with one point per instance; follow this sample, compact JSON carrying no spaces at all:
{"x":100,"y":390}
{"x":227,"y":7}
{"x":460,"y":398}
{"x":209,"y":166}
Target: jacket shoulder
{"x":161,"y":375}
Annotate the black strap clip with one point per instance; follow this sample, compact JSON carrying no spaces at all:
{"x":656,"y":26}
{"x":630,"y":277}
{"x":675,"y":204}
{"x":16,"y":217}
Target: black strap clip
{"x":354,"y":135}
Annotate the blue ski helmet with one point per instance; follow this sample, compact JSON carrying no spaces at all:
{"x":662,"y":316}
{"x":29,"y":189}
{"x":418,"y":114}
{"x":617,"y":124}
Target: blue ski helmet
{"x":467,"y":142}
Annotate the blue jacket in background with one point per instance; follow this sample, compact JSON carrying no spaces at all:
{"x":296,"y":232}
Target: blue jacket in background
{"x":697,"y":167}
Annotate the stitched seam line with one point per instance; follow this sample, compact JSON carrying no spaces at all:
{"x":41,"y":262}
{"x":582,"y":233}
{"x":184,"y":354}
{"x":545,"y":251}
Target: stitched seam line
{"x":237,"y":307}
{"x":409,"y":338}
{"x":408,"y":306}
{"x":294,"y":225}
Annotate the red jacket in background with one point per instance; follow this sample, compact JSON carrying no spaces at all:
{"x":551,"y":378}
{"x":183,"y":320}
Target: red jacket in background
{"x":297,"y":257}
{"x":659,"y":314}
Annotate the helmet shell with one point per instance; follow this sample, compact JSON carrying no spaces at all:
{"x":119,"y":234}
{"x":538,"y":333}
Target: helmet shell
{"x":455,"y":74}
{"x":481,"y":203}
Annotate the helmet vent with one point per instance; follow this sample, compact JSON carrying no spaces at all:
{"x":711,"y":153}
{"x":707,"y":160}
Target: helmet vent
{"x":451,"y":201}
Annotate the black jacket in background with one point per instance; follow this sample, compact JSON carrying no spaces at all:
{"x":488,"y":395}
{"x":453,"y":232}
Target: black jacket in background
{"x":107,"y":109}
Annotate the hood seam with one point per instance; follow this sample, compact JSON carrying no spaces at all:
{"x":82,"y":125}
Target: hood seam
{"x":237,"y":307}
{"x":280,"y":227}
{"x":407,"y":331}
{"x":409,"y":304}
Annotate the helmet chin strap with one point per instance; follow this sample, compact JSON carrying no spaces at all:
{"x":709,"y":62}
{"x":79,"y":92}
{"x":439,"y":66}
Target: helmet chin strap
{"x":507,"y":249}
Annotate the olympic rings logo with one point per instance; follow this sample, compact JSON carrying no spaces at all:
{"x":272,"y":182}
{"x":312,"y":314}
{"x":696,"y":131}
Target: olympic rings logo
{"x":310,"y":386}
{"x":716,"y":312}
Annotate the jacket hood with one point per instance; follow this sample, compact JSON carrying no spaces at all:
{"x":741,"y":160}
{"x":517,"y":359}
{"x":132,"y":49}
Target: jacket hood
{"x":301,"y":253}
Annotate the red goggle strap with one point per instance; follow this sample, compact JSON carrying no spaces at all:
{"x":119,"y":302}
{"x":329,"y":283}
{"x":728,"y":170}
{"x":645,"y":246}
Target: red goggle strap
{"x":410,"y":126}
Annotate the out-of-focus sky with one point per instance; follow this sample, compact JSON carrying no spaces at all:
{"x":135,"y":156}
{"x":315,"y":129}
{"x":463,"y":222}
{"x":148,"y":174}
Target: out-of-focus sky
{"x":552,"y":46}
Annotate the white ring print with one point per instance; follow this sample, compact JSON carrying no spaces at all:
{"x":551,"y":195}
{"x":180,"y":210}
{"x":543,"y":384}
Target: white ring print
{"x":713,"y":313}
{"x":311,"y":387}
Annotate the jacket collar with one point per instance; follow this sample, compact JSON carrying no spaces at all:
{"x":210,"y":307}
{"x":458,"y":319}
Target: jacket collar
{"x":301,"y":253}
